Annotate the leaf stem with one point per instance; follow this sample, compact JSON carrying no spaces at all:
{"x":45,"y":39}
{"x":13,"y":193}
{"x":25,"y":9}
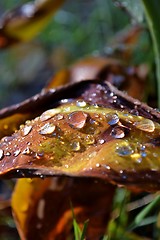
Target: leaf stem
{"x":151,"y":9}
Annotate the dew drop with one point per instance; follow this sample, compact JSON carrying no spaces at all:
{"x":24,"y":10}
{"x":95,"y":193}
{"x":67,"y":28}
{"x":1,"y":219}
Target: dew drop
{"x":117,"y":132}
{"x":77,"y":119}
{"x":81,"y":103}
{"x":146,"y":125}
{"x":101,"y":141}
{"x":16,"y":153}
{"x":8,"y":154}
{"x":49,"y":114}
{"x":76,"y":146}
{"x":1,"y":154}
{"x":124,"y":150}
{"x":47,"y":129}
{"x":98,"y":165}
{"x":143,"y":154}
{"x":26,"y":130}
{"x":89,"y":139}
{"x":112,"y":119}
{"x":27,"y":151}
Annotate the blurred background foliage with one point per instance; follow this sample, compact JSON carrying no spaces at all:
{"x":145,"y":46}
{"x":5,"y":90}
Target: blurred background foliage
{"x":78,"y":29}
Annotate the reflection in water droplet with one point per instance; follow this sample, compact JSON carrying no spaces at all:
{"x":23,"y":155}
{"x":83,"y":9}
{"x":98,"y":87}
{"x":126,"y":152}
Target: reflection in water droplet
{"x":146,"y":125}
{"x":49,"y":114}
{"x":77,"y":119}
{"x":26,"y":130}
{"x":112,"y":119}
{"x":117,"y":132}
{"x":16,"y":153}
{"x":143,"y":154}
{"x":76,"y":146}
{"x":124,"y":150}
{"x":1,"y":154}
{"x":89,"y":139}
{"x":47,"y":129}
{"x":81,"y":103}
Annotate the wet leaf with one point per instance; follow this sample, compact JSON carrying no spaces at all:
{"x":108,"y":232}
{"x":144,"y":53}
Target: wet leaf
{"x":26,"y":21}
{"x":41,"y":212}
{"x":77,"y":140}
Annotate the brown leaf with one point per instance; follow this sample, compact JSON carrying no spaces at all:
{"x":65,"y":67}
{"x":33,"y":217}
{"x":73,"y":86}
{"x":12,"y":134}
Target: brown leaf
{"x":103,"y":142}
{"x":26,"y":21}
{"x":42,"y":207}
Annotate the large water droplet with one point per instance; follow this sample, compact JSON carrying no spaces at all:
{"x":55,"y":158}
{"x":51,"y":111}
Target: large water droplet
{"x":1,"y":154}
{"x":77,"y":119}
{"x":118,"y":132}
{"x":146,"y":125}
{"x":49,"y":114}
{"x":26,"y":130}
{"x":124,"y":150}
{"x":112,"y":119}
{"x":47,"y":129}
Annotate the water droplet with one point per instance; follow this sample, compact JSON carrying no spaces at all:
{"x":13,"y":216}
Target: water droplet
{"x":146,"y":125}
{"x":16,"y":153}
{"x":77,"y":119}
{"x":98,"y":165}
{"x":76,"y":146}
{"x":47,"y":129}
{"x":124,"y":150}
{"x":1,"y":154}
{"x":8,"y":154}
{"x":117,"y":132}
{"x":26,"y":130}
{"x":81,"y":103}
{"x":101,"y":141}
{"x":89,"y":139}
{"x":27,"y":151}
{"x":143,"y":154}
{"x":49,"y":114}
{"x":112,"y":119}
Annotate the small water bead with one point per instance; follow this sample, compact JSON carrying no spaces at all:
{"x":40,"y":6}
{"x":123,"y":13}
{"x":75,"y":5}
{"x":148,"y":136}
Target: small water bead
{"x":118,"y":132}
{"x":143,"y":154}
{"x":1,"y":154}
{"x":89,"y":139}
{"x":47,"y":129}
{"x":26,"y":130}
{"x":27,"y":151}
{"x":49,"y":114}
{"x":101,"y":141}
{"x":16,"y":153}
{"x":112,"y":119}
{"x":77,"y":119}
{"x":8,"y":154}
{"x":146,"y":125}
{"x":124,"y":150}
{"x":98,"y":165}
{"x":81,"y":103}
{"x":76,"y":146}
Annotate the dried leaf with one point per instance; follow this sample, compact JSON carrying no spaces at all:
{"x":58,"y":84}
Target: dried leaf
{"x":42,"y":207}
{"x":79,"y":139}
{"x":26,"y":21}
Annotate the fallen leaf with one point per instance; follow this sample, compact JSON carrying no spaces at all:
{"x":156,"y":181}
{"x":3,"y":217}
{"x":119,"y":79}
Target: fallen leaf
{"x":42,"y":208}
